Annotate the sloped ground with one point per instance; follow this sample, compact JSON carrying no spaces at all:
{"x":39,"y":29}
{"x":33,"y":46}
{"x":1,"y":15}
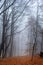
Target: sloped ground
{"x":24,"y":60}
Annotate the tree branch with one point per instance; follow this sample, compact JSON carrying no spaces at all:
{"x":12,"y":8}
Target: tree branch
{"x":19,"y":15}
{"x":2,"y":4}
{"x":7,"y":7}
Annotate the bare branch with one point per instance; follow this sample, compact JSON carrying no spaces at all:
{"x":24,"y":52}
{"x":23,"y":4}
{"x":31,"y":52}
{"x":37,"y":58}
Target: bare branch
{"x":19,"y":15}
{"x":18,"y":31}
{"x":7,"y":7}
{"x":2,"y":4}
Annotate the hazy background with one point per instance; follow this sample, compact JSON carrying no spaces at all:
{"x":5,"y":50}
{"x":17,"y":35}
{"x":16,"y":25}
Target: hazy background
{"x":23,"y":38}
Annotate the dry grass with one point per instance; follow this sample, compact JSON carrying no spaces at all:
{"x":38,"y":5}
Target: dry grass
{"x":23,"y":60}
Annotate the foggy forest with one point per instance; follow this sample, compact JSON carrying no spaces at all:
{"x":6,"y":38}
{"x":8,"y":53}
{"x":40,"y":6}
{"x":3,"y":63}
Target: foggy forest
{"x":21,"y":30}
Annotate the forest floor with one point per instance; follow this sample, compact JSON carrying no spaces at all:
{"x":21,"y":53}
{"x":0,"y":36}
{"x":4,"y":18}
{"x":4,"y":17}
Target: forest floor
{"x":23,"y":60}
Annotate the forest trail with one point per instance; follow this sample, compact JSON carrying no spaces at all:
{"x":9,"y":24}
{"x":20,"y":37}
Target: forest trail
{"x":23,"y":60}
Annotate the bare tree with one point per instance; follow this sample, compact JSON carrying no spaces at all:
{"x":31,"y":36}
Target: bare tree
{"x":5,"y":25}
{"x":35,"y":43}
